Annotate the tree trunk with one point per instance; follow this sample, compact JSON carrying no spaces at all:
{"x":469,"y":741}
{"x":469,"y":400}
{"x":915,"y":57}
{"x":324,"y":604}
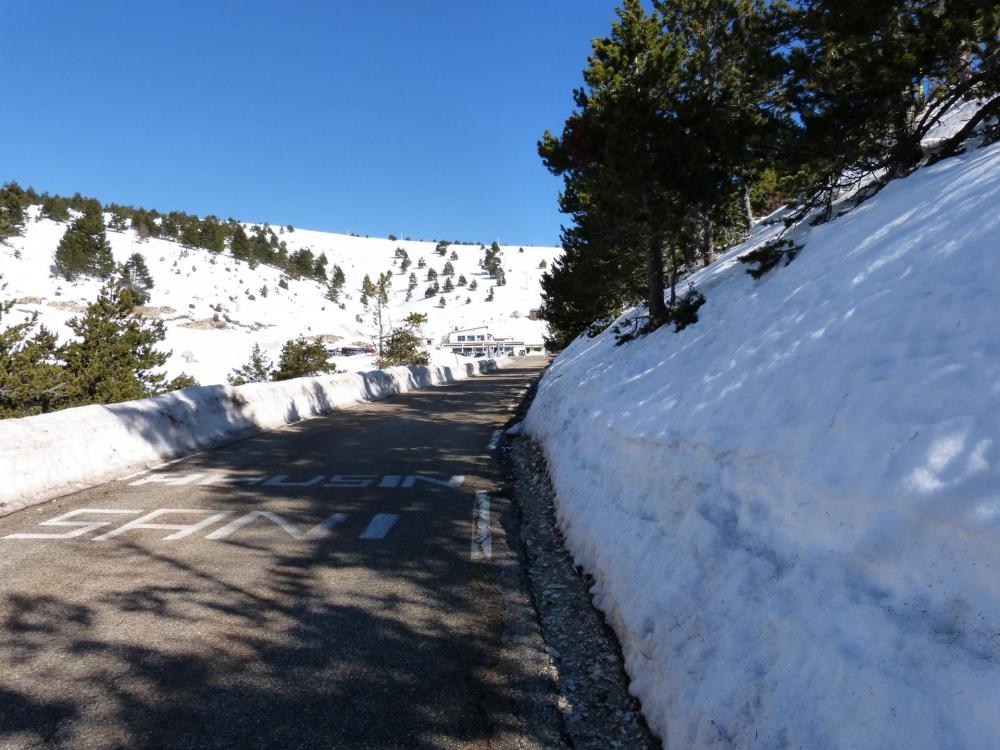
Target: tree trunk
{"x":654,"y":280}
{"x":950,"y":147}
{"x":747,"y":207}
{"x":673,"y":285}
{"x":707,"y":242}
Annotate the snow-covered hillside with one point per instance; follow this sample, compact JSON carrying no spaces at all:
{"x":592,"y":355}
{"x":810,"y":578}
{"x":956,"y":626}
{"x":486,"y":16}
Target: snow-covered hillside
{"x":214,"y":309}
{"x":792,"y":507}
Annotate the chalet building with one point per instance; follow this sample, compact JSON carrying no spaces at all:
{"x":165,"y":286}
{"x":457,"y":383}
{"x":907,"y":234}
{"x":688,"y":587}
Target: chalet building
{"x":480,"y":342}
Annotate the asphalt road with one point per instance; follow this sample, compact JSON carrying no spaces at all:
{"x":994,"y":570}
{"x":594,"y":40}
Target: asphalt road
{"x":319,"y":586}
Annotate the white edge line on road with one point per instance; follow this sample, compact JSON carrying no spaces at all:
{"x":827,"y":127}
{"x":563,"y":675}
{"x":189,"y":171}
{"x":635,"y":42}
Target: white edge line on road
{"x":380,"y":525}
{"x":482,"y":540}
{"x":495,"y":440}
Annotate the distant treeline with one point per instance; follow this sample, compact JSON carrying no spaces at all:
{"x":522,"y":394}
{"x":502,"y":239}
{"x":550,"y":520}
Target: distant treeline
{"x":261,"y":245}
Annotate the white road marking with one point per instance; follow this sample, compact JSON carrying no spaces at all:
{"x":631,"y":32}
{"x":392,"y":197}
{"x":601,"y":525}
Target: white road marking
{"x":84,"y":526}
{"x":182,"y":530}
{"x":133,"y":475}
{"x":482,"y":539}
{"x":171,"y":479}
{"x":495,"y":440}
{"x":318,"y":531}
{"x":454,"y":483}
{"x":341,"y":481}
{"x":281,"y":481}
{"x":379,"y":526}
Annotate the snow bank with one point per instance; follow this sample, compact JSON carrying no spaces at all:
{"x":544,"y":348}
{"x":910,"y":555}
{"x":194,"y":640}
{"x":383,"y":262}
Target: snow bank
{"x":52,"y":454}
{"x":792,"y":508}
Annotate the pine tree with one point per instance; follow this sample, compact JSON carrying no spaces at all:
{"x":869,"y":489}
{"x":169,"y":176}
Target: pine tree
{"x":12,"y":205}
{"x":453,"y":256}
{"x":211,"y":234}
{"x":301,"y":262}
{"x":302,"y":358}
{"x":31,"y":378}
{"x":473,"y":285}
{"x":114,"y":356}
{"x":258,"y":369}
{"x":449,"y":269}
{"x":55,"y":207}
{"x":337,"y":280}
{"x":412,"y":282}
{"x":462,"y":281}
{"x":134,"y":275}
{"x":319,"y":267}
{"x":84,"y":248}
{"x":448,"y":286}
{"x":380,"y":309}
{"x":239,"y":244}
{"x":403,"y":344}
{"x":431,"y":274}
{"x":367,"y":291}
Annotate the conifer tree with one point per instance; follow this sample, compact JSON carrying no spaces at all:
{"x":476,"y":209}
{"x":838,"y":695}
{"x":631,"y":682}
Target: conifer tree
{"x":302,"y":358}
{"x":403,"y":345}
{"x":84,"y":248}
{"x":367,"y":291}
{"x":134,"y":275}
{"x":448,"y":285}
{"x":32,"y":380}
{"x":337,"y":280}
{"x":55,"y":207}
{"x":211,"y":234}
{"x":258,"y":369}
{"x":239,"y":244}
{"x":12,"y":205}
{"x":114,"y":356}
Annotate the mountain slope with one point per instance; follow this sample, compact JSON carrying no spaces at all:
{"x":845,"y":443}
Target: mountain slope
{"x":791,"y":507}
{"x":215,"y":311}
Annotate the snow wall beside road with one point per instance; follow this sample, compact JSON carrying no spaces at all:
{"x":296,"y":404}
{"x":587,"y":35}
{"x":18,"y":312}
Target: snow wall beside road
{"x":48,"y":455}
{"x":791,"y":508}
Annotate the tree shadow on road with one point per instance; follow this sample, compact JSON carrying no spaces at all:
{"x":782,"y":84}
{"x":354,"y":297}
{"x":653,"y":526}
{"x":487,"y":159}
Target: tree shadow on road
{"x":263,"y":641}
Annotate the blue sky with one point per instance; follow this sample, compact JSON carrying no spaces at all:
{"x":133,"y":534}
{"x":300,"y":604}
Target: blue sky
{"x":387,"y":116}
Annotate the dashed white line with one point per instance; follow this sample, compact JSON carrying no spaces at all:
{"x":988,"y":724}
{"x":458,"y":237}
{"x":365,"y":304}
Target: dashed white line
{"x":482,"y":540}
{"x":380,"y":525}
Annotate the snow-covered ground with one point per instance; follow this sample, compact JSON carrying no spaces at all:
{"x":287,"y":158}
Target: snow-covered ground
{"x":792,"y":507}
{"x":191,"y":286}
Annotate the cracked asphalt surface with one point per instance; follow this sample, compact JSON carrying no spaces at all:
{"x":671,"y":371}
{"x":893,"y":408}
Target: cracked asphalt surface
{"x":286,"y":611}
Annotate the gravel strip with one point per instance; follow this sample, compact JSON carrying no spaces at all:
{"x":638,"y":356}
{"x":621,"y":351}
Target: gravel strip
{"x":593,"y":699}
